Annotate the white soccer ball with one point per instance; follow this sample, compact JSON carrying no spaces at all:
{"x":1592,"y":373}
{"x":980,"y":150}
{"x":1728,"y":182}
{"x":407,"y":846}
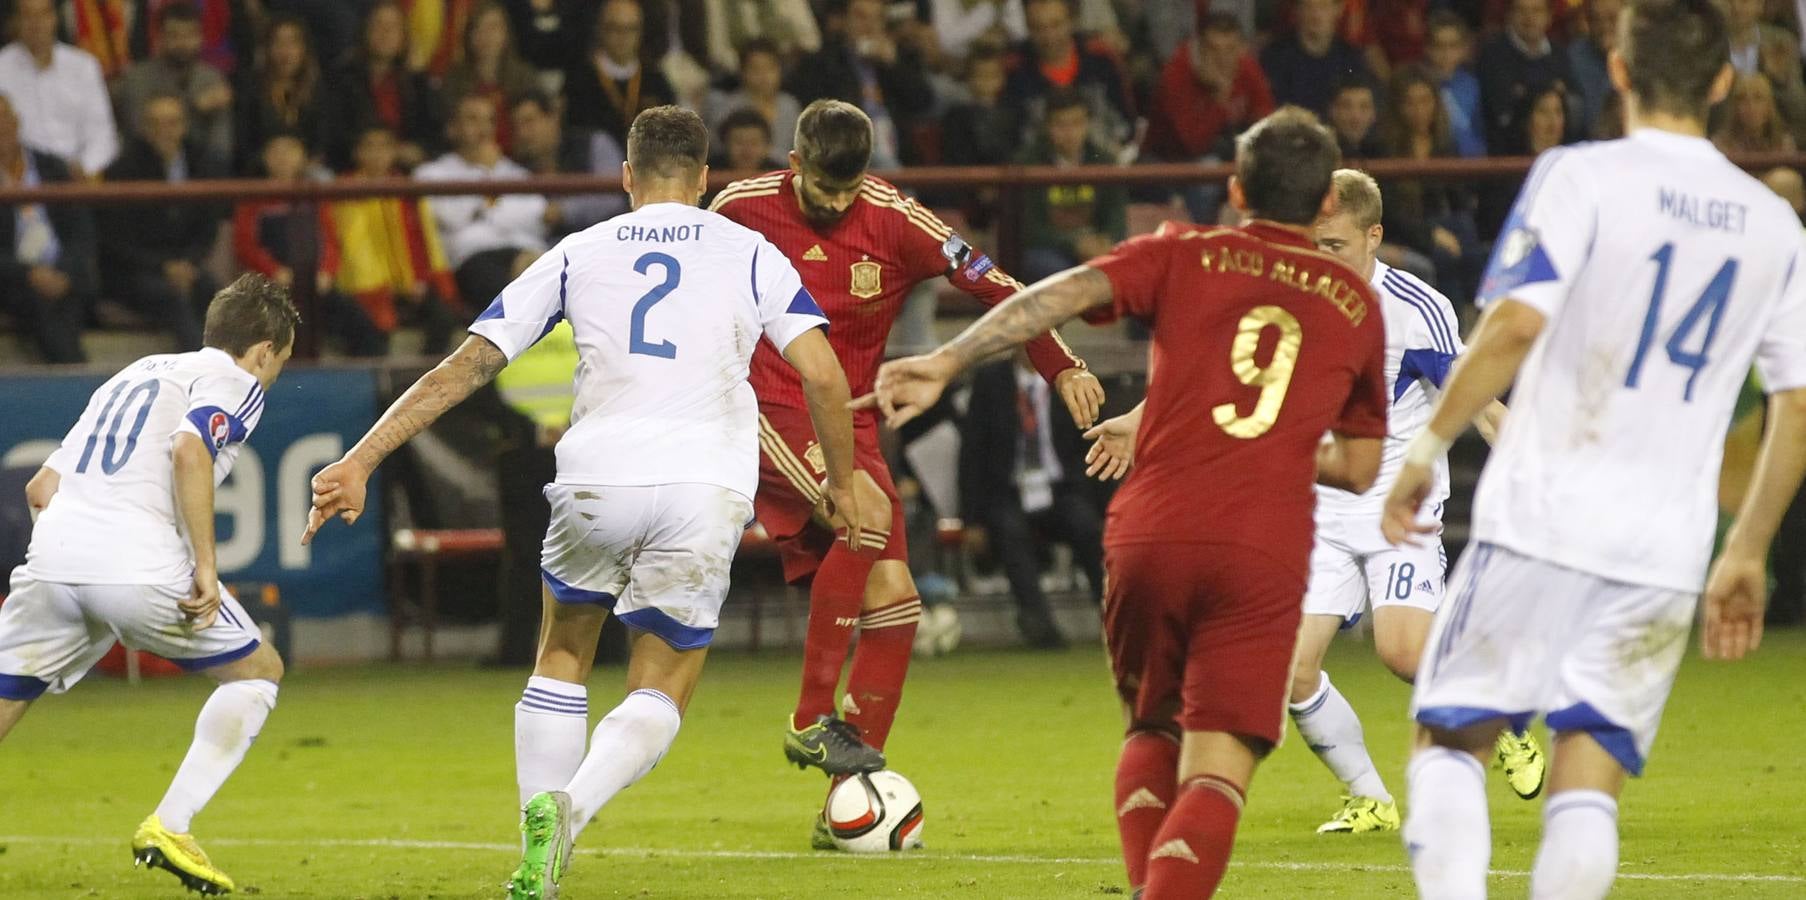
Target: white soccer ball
{"x":875,"y":813}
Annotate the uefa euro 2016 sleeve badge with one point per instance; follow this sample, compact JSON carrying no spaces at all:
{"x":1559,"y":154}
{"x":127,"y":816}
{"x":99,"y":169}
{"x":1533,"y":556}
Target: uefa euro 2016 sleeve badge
{"x":867,"y":279}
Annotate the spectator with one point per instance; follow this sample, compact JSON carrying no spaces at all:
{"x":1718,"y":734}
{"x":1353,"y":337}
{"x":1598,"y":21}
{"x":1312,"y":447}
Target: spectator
{"x":490,"y":69}
{"x":1587,"y":57}
{"x":745,"y":144}
{"x":980,"y":131}
{"x":1759,"y":47}
{"x":47,"y":274}
{"x":762,"y":91}
{"x":390,"y":257}
{"x":1302,"y":67}
{"x":374,"y":87}
{"x":177,"y":69}
{"x":546,"y":147}
{"x":960,"y":24}
{"x":1753,"y":124}
{"x":861,"y":64}
{"x":1518,"y":63}
{"x":1022,"y":478}
{"x":607,"y":88}
{"x":1066,"y":224}
{"x":57,"y":93}
{"x":1542,"y":119}
{"x":489,"y":240}
{"x":285,"y":95}
{"x":1434,"y":219}
{"x":1392,"y":32}
{"x":1210,"y":91}
{"x":1788,"y":185}
{"x":786,"y":26}
{"x":1354,"y":114}
{"x":280,"y":240}
{"x":1056,"y":56}
{"x":155,"y":251}
{"x":552,"y":34}
{"x":1449,"y":51}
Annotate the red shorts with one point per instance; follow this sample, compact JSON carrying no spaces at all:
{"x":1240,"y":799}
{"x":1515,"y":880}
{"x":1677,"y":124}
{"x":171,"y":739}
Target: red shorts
{"x":1202,"y":635}
{"x":791,"y":470}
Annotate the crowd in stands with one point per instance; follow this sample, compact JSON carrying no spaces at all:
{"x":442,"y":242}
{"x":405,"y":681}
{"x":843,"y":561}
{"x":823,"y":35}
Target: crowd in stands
{"x":172,"y":90}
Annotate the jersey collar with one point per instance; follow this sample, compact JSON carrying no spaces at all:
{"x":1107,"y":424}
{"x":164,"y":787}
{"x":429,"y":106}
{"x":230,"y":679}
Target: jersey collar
{"x":1672,"y":140}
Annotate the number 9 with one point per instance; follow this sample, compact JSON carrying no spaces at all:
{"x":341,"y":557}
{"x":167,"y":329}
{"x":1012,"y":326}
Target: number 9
{"x":1273,"y":379}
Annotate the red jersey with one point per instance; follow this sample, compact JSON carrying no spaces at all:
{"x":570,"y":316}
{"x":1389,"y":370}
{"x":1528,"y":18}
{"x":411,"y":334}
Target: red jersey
{"x":861,"y":270}
{"x":1261,"y":345}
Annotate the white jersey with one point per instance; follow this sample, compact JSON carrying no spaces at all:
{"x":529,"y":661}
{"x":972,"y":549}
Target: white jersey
{"x":667,"y":304}
{"x":1423,"y":337}
{"x":114,"y":518}
{"x":1664,"y":270}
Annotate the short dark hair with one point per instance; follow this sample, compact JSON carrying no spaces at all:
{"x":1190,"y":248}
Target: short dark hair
{"x":247,"y":312}
{"x":667,"y":142}
{"x":537,"y":96}
{"x":835,"y":138}
{"x":1221,"y":23}
{"x":1284,"y":165}
{"x":763,"y":45}
{"x":1447,"y":18}
{"x":1674,"y":50}
{"x":1062,"y":99}
{"x":743,"y":118}
{"x":1346,"y":83}
{"x":179,"y":11}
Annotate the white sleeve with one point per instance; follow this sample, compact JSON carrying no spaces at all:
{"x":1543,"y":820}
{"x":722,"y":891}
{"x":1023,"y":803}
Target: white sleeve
{"x":528,"y":307}
{"x":786,"y":309}
{"x":100,"y":138}
{"x":1781,"y":357}
{"x":222,"y":410}
{"x":1545,"y":240}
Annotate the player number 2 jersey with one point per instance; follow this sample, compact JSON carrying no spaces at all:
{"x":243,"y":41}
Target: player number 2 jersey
{"x":1664,"y":270}
{"x":666,"y":303}
{"x":114,"y":518}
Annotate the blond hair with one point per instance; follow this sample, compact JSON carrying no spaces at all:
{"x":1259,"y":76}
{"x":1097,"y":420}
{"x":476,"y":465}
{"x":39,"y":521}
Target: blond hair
{"x":1357,"y":196}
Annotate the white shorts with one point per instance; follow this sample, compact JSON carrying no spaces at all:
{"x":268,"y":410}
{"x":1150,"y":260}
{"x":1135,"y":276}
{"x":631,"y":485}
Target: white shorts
{"x":1524,"y":637}
{"x":657,"y":556}
{"x":52,"y":634}
{"x":1353,"y":569}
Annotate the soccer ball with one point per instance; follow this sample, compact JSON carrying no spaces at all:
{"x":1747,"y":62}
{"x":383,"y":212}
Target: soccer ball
{"x":875,"y":813}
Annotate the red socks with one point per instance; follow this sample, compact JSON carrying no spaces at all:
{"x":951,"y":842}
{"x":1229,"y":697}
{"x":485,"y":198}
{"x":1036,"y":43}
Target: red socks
{"x":880,"y":663}
{"x":834,"y":602}
{"x":1147,"y":777}
{"x":1192,"y":849}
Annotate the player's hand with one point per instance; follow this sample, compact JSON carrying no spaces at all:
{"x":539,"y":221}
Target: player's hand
{"x":338,"y":491}
{"x":1399,"y":522}
{"x":1113,"y":450}
{"x":1082,"y":393}
{"x":843,"y":513}
{"x":202,"y":605}
{"x":908,"y":387}
{"x":1736,"y":597}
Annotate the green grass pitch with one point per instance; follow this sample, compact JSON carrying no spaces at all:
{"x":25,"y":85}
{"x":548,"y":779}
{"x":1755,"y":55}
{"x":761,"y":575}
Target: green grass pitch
{"x":397,"y":782}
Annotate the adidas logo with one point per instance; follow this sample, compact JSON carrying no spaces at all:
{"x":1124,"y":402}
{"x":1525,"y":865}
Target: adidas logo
{"x":1174,"y":849}
{"x":1426,"y":586}
{"x":1141,"y":799}
{"x":815,"y":254}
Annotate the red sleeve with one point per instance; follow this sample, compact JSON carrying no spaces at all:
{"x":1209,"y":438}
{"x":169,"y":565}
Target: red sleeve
{"x":251,"y":252}
{"x":1364,"y":414}
{"x":329,"y":243}
{"x":1137,"y":270}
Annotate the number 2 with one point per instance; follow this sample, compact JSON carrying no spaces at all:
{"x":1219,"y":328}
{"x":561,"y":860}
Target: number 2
{"x":636,"y":338}
{"x":1711,"y":303}
{"x":108,"y":464}
{"x":1273,"y":379}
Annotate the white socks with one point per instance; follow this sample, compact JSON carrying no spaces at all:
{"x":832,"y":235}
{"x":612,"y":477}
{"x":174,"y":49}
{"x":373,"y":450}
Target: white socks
{"x":1447,"y":832}
{"x":225,"y":729}
{"x":1579,"y":855}
{"x":628,"y":742}
{"x":1333,"y":731}
{"x":551,"y":725}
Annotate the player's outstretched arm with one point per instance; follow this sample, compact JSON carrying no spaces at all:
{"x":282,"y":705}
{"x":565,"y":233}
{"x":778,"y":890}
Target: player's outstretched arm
{"x":908,"y":387}
{"x":339,"y":488}
{"x":1737,"y":588}
{"x":192,"y":464}
{"x":826,"y":391}
{"x":1486,"y":370}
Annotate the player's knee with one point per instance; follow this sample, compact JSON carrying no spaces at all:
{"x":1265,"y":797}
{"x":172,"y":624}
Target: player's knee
{"x":1400,"y":657}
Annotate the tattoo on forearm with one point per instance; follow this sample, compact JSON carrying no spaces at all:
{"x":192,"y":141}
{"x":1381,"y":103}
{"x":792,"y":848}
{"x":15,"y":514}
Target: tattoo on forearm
{"x":474,"y":364}
{"x":1025,"y":316}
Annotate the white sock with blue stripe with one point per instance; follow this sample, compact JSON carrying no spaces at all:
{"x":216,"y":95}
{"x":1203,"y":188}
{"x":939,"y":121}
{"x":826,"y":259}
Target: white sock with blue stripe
{"x":1448,"y":831}
{"x":628,"y":742}
{"x":551,"y":726}
{"x":1579,"y":856}
{"x":223,"y":733}
{"x":1331,"y":729}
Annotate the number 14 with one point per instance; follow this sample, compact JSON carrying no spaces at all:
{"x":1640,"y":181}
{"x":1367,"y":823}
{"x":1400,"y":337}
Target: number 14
{"x":1709,"y":306}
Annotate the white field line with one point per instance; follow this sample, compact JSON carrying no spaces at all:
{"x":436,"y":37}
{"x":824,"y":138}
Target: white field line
{"x":926,"y":856}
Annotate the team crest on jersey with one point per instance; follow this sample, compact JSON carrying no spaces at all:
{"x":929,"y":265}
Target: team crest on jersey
{"x":219,"y":430}
{"x":816,"y":459}
{"x":868,"y":280}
